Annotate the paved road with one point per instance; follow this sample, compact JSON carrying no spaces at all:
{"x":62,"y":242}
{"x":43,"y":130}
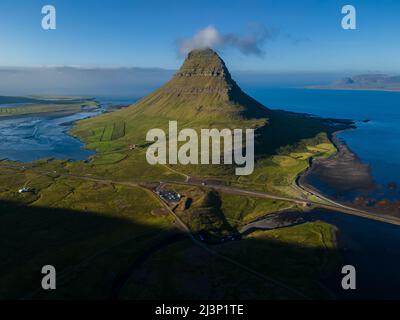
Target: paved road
{"x":331,"y":206}
{"x":335,"y":206}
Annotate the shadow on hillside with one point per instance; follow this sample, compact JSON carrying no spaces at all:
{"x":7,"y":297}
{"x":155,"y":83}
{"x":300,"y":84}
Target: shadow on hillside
{"x":286,"y":130}
{"x":206,"y":218}
{"x":96,"y":246}
{"x":193,"y":273}
{"x":96,"y":256}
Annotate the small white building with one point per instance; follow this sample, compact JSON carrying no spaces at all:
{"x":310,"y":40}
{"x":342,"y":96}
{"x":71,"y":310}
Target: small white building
{"x":24,"y":190}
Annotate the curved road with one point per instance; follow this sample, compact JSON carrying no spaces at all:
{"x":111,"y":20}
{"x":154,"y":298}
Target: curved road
{"x":333,"y":205}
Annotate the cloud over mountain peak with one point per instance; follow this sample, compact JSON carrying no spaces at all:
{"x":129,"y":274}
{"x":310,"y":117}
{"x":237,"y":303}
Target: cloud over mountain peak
{"x":251,"y":43}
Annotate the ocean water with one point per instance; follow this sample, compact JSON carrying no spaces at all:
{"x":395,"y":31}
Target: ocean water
{"x":29,"y":138}
{"x":376,"y":143}
{"x":36,"y":137}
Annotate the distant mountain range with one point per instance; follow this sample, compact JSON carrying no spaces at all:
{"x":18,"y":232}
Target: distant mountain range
{"x":365,"y":82}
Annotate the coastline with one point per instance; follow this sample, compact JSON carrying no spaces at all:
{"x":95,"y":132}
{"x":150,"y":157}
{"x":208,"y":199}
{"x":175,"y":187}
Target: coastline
{"x":348,"y":168}
{"x":65,"y":128}
{"x":347,"y":174}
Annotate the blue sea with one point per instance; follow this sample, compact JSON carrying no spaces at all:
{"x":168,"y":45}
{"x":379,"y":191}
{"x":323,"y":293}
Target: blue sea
{"x":376,"y":143}
{"x":29,"y":138}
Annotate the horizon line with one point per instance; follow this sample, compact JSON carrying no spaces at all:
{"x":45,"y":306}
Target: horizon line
{"x":127,"y":67}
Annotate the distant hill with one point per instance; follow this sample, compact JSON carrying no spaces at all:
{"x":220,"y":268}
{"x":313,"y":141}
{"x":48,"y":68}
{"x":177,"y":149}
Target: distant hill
{"x":366,"y":82}
{"x":10,"y":100}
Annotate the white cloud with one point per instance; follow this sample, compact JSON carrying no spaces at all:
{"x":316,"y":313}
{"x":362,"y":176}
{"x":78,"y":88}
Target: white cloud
{"x":210,"y":37}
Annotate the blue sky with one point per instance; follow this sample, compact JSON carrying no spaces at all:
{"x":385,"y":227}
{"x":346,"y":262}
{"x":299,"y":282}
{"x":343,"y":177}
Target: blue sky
{"x":111,"y":33}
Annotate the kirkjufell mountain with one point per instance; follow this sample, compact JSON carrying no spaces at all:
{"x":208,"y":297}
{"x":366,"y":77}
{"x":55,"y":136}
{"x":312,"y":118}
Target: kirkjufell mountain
{"x":202,"y":89}
{"x":202,"y":94}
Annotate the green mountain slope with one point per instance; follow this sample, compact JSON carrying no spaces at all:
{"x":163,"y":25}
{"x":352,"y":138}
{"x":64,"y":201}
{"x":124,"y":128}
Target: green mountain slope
{"x":202,"y":94}
{"x":203,"y":90}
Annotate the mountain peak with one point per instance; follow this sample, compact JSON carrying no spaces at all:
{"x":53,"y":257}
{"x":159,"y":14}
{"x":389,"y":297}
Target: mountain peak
{"x":202,"y":52}
{"x":204,"y":63}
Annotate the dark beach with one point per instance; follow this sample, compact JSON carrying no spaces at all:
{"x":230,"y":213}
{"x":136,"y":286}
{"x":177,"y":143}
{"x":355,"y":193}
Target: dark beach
{"x":346,"y":179}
